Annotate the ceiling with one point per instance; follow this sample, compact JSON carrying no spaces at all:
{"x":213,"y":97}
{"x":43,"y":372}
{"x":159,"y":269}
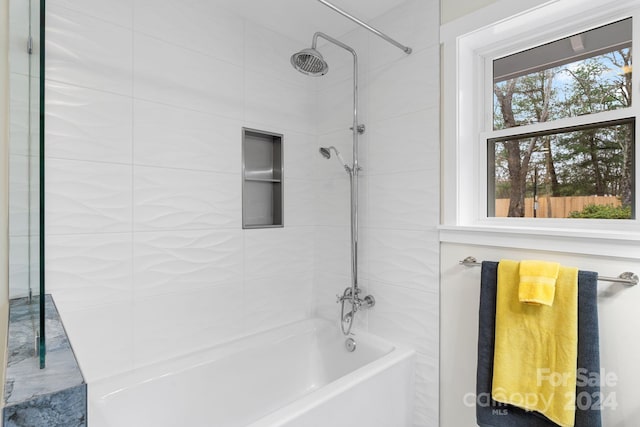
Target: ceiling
{"x":299,"y":19}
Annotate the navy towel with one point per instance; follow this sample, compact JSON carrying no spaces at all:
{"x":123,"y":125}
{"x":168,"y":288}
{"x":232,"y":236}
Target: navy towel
{"x":490,"y":413}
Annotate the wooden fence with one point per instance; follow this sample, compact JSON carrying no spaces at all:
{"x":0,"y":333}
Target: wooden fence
{"x":560,"y":207}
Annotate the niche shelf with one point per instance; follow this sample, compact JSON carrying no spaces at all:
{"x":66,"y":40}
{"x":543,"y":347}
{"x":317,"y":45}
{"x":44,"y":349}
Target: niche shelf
{"x":261,"y":179}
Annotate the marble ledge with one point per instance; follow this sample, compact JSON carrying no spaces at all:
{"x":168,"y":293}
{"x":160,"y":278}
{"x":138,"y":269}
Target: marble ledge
{"x":54,"y":396}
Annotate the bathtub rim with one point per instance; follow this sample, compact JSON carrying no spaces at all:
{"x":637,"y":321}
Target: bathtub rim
{"x":292,"y":410}
{"x":102,"y":390}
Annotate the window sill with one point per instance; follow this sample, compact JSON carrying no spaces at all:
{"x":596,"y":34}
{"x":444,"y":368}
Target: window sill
{"x":617,"y":244}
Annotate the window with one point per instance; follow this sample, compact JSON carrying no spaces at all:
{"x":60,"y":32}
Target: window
{"x":539,"y":124}
{"x":583,"y":169}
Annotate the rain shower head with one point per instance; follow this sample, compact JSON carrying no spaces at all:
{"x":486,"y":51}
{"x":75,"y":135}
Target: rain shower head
{"x":310,"y":61}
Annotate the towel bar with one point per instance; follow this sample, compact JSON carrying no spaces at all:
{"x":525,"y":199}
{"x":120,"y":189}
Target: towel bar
{"x":628,"y":278}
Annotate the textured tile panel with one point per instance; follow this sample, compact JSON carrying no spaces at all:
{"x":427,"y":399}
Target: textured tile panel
{"x":193,"y":24}
{"x":171,"y":325}
{"x":299,"y":201}
{"x":263,"y":46}
{"x":185,"y":261}
{"x":333,"y":250}
{"x":405,"y":86}
{"x":278,"y":103}
{"x":333,"y":201}
{"x":178,"y":138}
{"x":270,"y":252}
{"x":403,"y":201}
{"x":300,"y":154}
{"x":86,"y":124}
{"x":174,"y":199}
{"x":404,"y":258}
{"x":405,"y":316}
{"x":88,"y":52}
{"x":404,"y":143}
{"x":89,"y":269}
{"x":274,"y":301}
{"x":118,"y":12}
{"x":414,"y":23}
{"x":87,"y":197}
{"x":176,"y":76}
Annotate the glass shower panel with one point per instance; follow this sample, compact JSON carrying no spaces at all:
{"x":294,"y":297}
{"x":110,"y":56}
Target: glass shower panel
{"x":25,"y":240}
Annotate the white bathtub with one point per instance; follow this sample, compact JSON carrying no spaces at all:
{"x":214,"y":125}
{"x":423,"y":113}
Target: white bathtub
{"x":299,"y":375}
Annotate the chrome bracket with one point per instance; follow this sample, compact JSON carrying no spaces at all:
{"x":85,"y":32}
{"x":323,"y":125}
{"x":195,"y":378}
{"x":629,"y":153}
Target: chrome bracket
{"x":360,"y":129}
{"x":630,"y":277}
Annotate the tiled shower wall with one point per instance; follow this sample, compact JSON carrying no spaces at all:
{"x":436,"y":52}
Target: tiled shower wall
{"x":146,"y":256}
{"x":399,"y":186}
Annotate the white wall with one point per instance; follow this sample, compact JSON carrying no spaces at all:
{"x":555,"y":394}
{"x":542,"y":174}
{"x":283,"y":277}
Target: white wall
{"x":453,"y":9}
{"x":146,"y":257}
{"x":399,"y":154}
{"x":459,"y":293}
{"x":617,"y":307}
{"x":4,"y":186}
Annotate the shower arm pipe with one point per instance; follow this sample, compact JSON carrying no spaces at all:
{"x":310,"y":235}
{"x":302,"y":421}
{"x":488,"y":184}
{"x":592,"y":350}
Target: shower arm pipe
{"x":404,"y":48}
{"x":355,"y":169}
{"x":355,"y":127}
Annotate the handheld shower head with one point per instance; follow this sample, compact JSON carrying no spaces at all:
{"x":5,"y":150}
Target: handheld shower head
{"x":326,"y":153}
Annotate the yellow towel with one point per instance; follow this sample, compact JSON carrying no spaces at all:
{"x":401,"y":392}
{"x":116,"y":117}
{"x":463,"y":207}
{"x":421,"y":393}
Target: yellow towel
{"x":538,"y":282}
{"x":536,"y":347}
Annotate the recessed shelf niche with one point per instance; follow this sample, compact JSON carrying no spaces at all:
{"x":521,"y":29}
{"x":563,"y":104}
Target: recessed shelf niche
{"x":261,"y":179}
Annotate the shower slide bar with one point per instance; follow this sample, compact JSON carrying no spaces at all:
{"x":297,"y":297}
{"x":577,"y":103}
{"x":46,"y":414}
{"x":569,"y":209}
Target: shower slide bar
{"x":627,"y":278}
{"x":406,"y":49}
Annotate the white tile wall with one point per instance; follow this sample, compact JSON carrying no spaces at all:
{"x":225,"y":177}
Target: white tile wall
{"x":195,"y":25}
{"x":399,"y":187}
{"x":185,"y":261}
{"x":89,"y":270}
{"x":165,"y":326}
{"x":118,"y":12}
{"x":87,"y":124}
{"x":146,"y":102}
{"x":274,"y":102}
{"x":173,"y":137}
{"x":172,"y":75}
{"x":182,"y":199}
{"x":88,"y":52}
{"x":276,"y":300}
{"x":87,"y":197}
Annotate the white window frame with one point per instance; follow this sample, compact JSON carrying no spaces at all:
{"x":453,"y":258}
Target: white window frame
{"x":469,"y":46}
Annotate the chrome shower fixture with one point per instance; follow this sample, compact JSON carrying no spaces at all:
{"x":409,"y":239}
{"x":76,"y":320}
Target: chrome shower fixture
{"x":310,"y":62}
{"x":326,"y":153}
{"x":405,"y":49}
